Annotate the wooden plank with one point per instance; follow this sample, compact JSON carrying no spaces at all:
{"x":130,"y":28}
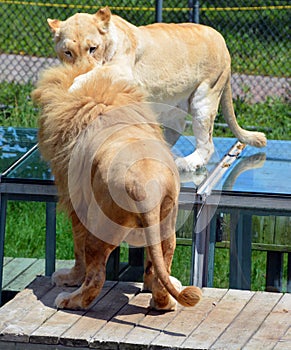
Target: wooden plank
{"x":114,"y":332}
{"x":121,"y":319}
{"x":50,"y":330}
{"x":6,"y":260}
{"x":248,"y":321}
{"x":6,"y":345}
{"x":16,"y":308}
{"x":61,"y":264}
{"x":176,"y":332}
{"x":38,"y":311}
{"x":28,"y":275}
{"x":84,"y":331}
{"x":275,"y":327}
{"x":283,"y":230}
{"x":14,"y":268}
{"x":263,"y":229}
{"x":285,"y":342}
{"x":218,"y":319}
{"x":147,"y":330}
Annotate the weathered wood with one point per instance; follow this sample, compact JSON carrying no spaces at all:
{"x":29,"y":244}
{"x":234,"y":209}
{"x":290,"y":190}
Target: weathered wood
{"x":147,"y":329}
{"x":248,"y":321}
{"x":28,"y":275}
{"x":218,"y":320}
{"x":15,"y":309}
{"x":120,"y":319}
{"x":19,"y":272}
{"x":14,"y":268}
{"x":275,"y":327}
{"x":285,"y":342}
{"x":176,"y":332}
{"x":84,"y":330}
{"x":121,"y":324}
{"x":50,"y":330}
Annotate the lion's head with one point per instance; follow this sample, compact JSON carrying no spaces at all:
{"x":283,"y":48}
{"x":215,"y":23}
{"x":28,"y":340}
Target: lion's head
{"x":84,"y":36}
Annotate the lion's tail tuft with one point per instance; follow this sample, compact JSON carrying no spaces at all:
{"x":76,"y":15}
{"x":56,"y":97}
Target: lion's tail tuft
{"x":189,"y":296}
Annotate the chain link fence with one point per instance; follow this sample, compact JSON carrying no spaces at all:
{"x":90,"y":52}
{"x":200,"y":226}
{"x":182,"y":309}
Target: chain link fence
{"x":258,"y":36}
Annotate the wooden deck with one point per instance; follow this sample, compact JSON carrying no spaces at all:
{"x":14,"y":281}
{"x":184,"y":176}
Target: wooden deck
{"x":19,"y":272}
{"x":120,"y":319}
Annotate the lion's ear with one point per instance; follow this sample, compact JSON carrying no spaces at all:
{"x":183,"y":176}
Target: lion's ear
{"x":54,"y":25}
{"x":103,"y":17}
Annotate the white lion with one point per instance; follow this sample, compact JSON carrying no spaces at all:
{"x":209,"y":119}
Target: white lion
{"x":186,"y":65}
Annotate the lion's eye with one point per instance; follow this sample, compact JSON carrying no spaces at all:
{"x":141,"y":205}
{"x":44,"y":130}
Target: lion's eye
{"x":68,"y":53}
{"x":92,"y":49}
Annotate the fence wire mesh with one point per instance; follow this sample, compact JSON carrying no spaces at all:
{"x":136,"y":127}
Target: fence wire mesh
{"x":258,"y":36}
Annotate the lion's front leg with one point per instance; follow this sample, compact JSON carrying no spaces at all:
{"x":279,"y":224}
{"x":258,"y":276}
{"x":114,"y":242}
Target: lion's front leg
{"x":82,"y":79}
{"x":96,"y":256}
{"x":74,"y":276}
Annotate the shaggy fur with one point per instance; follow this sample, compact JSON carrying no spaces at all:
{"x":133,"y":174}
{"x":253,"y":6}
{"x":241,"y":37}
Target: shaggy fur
{"x":186,"y":65}
{"x":116,"y":179}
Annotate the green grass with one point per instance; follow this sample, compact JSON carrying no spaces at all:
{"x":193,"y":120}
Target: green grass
{"x":25,"y":236}
{"x":258,"y":40}
{"x":17,"y":108}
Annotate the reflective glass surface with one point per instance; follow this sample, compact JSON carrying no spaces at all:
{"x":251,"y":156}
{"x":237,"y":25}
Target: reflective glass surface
{"x":14,"y":143}
{"x":256,"y":171}
{"x":185,"y":145}
{"x":260,"y":171}
{"x":32,"y":169}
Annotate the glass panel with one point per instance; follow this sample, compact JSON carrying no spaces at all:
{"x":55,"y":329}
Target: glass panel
{"x":186,"y":145}
{"x":261,"y":171}
{"x":33,"y":168}
{"x":14,"y":143}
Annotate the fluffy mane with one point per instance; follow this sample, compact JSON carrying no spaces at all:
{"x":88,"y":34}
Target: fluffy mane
{"x":65,"y":115}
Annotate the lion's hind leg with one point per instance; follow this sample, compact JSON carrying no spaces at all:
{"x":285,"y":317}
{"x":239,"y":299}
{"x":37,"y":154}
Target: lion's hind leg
{"x":203,"y":107}
{"x":74,"y":276}
{"x":96,"y":255}
{"x":148,"y":275}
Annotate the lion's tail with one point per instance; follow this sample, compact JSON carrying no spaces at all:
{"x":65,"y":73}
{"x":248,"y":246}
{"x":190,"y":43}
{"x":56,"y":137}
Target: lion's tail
{"x":253,"y":138}
{"x":189,"y":296}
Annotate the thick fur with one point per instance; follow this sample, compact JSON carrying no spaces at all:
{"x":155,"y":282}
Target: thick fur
{"x":112,"y":116}
{"x":186,"y":65}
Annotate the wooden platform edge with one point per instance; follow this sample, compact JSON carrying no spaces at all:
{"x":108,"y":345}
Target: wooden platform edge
{"x":120,"y":319}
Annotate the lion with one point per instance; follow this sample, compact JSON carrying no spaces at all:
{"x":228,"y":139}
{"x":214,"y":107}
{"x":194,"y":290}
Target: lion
{"x":116,"y":180}
{"x":186,"y":65}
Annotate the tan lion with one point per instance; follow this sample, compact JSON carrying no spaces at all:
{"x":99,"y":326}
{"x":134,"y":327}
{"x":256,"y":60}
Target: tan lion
{"x":186,"y":65}
{"x":116,"y":179}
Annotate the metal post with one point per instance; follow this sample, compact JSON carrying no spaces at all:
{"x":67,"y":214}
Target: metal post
{"x":50,"y":255}
{"x":240,"y":251}
{"x":3,"y":207}
{"x":274,"y":273}
{"x":159,"y":10}
{"x":289,"y":274}
{"x":196,"y":11}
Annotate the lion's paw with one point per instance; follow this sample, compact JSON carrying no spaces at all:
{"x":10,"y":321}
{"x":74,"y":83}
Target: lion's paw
{"x":172,"y":303}
{"x":80,"y":80}
{"x":176,"y":283}
{"x":170,"y":306}
{"x":193,"y":161}
{"x":65,"y":277}
{"x":62,"y":300}
{"x":188,"y":165}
